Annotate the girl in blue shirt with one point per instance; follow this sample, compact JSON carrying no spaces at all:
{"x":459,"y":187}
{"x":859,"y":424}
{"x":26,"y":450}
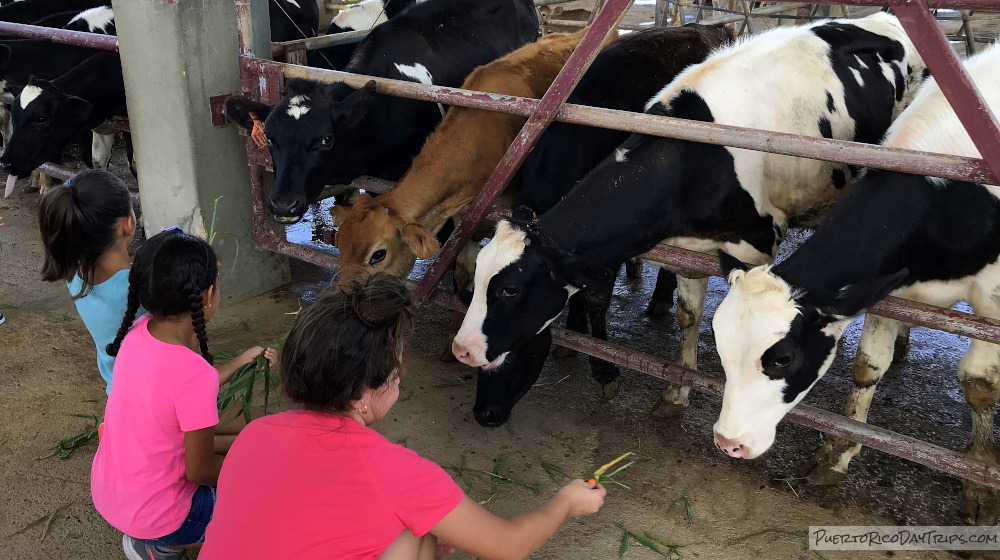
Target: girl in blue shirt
{"x":87,"y":226}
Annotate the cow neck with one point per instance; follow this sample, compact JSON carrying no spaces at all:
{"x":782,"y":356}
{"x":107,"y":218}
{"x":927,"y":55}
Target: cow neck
{"x":454,"y":165}
{"x":100,"y":82}
{"x":650,"y":189}
{"x":938,"y":230}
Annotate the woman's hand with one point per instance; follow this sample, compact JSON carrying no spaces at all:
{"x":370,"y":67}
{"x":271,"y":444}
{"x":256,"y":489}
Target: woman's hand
{"x":583,"y":498}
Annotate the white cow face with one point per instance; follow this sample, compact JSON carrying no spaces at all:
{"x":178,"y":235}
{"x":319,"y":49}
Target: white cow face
{"x":773,"y":350}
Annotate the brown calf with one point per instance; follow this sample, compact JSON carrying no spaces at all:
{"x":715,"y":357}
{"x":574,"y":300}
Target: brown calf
{"x":390,"y":232}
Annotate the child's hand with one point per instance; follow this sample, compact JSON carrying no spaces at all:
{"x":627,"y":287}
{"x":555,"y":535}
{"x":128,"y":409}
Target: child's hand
{"x":250,"y":355}
{"x":584,"y":498}
{"x":272,"y":355}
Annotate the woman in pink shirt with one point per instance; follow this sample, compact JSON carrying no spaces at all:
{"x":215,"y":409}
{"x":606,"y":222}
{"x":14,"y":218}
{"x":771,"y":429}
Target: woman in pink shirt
{"x":160,"y":448}
{"x":318,"y":483}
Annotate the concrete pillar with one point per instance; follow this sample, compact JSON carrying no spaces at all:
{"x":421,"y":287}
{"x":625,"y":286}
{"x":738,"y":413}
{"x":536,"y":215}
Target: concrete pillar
{"x":175,"y":56}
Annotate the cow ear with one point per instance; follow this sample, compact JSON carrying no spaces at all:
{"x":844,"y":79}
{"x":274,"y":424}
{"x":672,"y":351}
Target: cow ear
{"x":239,"y":110}
{"x":4,"y":57}
{"x":855,"y":298}
{"x":581,"y":273}
{"x":730,"y":264}
{"x":78,"y":109}
{"x":352,"y":110}
{"x":340,"y":214}
{"x":420,"y":241}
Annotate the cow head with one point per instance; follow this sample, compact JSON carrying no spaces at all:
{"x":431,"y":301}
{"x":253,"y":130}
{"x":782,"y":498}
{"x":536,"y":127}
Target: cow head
{"x":499,"y":389}
{"x":522,"y":282}
{"x":372,"y":237}
{"x":313,"y":138}
{"x":44,"y":120}
{"x":776,"y":341}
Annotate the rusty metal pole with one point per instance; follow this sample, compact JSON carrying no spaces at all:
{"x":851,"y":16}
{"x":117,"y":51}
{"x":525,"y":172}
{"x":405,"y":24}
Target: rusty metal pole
{"x":78,"y":38}
{"x":607,"y":20}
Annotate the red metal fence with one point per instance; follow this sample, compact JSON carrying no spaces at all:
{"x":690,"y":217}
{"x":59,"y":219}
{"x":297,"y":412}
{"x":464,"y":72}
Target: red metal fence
{"x":264,"y":78}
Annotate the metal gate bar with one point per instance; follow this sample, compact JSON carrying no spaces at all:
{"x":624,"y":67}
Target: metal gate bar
{"x":57,"y":35}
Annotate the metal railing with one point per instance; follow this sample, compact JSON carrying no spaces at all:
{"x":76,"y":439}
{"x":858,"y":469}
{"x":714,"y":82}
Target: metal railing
{"x":264,"y":77}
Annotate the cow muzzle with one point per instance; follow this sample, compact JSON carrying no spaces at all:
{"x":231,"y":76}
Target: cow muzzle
{"x":732,"y":447}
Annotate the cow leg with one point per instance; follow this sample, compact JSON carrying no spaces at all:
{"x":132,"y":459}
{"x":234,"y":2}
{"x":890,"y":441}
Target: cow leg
{"x":633,"y":268}
{"x":663,"y":295}
{"x":576,"y":320}
{"x":5,"y":124}
{"x":606,"y":375}
{"x":690,"y":306}
{"x":101,"y":146}
{"x":979,"y":375}
{"x":902,"y":344}
{"x":875,"y":351}
{"x":130,"y":154}
{"x":44,"y":183}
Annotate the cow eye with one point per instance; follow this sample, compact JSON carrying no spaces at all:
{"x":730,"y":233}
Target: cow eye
{"x":377,"y":257}
{"x":510,"y":291}
{"x":271,"y":144}
{"x":327,"y":141}
{"x":782,"y":361}
{"x":42,"y":121}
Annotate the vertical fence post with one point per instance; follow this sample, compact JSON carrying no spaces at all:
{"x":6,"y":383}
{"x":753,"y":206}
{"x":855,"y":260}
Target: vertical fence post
{"x":174,"y":57}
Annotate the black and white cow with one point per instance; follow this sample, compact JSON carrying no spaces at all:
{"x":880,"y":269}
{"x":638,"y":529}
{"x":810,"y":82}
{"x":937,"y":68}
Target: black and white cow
{"x":931,"y":240}
{"x":330,"y":134}
{"x":625,"y":75}
{"x":47,"y":115}
{"x":293,"y":19}
{"x":28,"y":11}
{"x":841,"y":79}
{"x":95,"y":20}
{"x":362,"y":16}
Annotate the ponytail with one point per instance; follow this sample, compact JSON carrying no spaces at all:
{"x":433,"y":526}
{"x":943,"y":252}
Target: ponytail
{"x":79,"y":223}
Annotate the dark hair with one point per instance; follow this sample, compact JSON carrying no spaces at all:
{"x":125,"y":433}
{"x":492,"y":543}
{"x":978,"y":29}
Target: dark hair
{"x":169,"y":273}
{"x":79,"y":223}
{"x":347,"y":342}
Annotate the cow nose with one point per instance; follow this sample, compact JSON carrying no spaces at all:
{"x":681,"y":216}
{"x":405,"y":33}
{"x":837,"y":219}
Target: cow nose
{"x":491,"y":416}
{"x":287,"y":209}
{"x":731,"y":447}
{"x":461,"y":353}
{"x":5,"y":166}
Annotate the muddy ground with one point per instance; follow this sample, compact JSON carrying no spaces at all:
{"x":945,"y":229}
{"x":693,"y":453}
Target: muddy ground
{"x":739,"y":509}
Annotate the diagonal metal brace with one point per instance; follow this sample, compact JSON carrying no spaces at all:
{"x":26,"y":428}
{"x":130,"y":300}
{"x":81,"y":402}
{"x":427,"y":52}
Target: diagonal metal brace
{"x":607,"y":20}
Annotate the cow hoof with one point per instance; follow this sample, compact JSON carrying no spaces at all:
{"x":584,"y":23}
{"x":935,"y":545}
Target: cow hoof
{"x":667,"y":409}
{"x":560,"y":352}
{"x":978,"y":504}
{"x":658,"y":308}
{"x":608,"y":390}
{"x":822,"y":475}
{"x":633,"y":269}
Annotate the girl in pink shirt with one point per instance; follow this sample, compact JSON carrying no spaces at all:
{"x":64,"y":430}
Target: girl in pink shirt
{"x":318,"y":483}
{"x":162,"y":439}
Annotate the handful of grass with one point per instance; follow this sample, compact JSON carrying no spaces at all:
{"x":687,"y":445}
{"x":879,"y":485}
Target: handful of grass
{"x":240,"y":390}
{"x":65,"y":447}
{"x":602,"y":476}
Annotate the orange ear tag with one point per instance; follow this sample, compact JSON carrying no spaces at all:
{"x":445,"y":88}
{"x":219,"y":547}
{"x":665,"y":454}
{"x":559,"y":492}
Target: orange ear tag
{"x":257,"y":133}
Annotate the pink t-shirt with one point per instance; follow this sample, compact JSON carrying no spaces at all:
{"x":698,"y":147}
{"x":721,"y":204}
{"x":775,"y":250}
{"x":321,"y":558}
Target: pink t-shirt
{"x":309,"y":485}
{"x":160,"y":391}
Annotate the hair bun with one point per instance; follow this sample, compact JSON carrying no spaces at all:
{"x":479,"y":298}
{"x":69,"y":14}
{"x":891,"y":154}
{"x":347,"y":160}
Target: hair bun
{"x":380,"y":299}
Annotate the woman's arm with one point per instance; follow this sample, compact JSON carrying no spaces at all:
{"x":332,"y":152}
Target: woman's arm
{"x":473,"y":529}
{"x":201,"y":464}
{"x":228,"y":369}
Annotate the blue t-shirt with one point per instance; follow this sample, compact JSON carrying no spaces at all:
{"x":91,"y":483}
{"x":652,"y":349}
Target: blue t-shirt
{"x":102,"y":311}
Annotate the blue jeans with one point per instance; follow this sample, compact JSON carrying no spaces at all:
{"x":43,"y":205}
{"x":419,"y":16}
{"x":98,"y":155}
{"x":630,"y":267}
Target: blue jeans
{"x":193,"y":529}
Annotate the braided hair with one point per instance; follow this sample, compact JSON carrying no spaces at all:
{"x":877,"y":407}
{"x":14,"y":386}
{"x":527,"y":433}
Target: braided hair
{"x":170,"y":272}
